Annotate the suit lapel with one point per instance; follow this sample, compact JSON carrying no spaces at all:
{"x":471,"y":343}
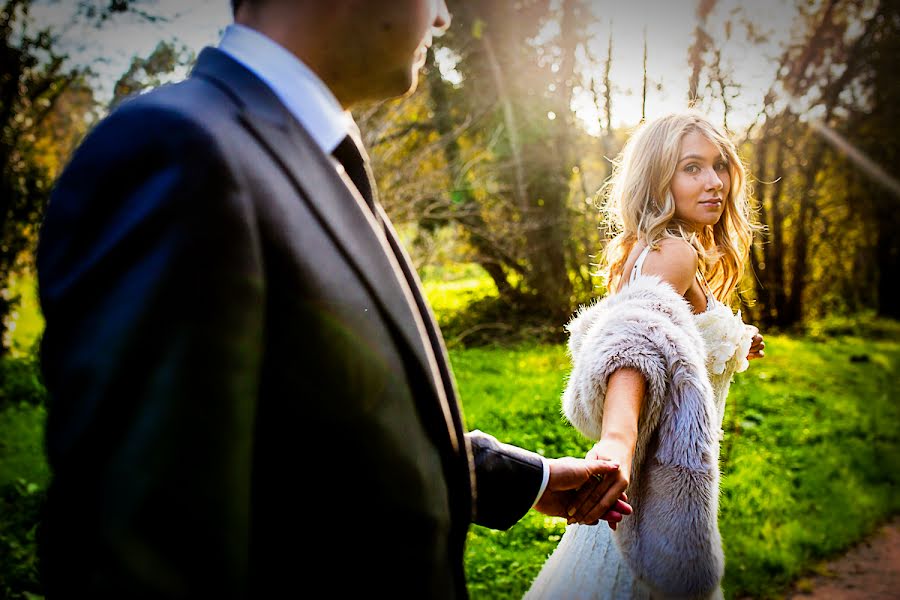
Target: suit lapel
{"x":428,"y":322}
{"x":342,"y":213}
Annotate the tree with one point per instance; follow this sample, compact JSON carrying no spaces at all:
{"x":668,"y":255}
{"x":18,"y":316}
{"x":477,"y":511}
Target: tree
{"x":33,"y":78}
{"x":519,"y":69}
{"x":827,"y":134}
{"x":46,"y":106}
{"x":697,"y":51}
{"x":150,"y":72}
{"x":873,"y":131}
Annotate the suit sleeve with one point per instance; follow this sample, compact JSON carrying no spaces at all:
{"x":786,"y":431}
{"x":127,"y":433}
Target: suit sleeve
{"x":151,"y":282}
{"x":507,"y":481}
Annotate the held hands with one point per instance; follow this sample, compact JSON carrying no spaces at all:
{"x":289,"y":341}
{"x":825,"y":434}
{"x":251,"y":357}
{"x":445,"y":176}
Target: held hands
{"x":757,"y":345}
{"x":609,"y":492}
{"x":570,"y":492}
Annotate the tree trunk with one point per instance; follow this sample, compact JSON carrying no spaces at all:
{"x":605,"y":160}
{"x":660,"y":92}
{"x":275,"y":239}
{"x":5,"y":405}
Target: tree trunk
{"x":760,"y":253}
{"x":469,"y":215}
{"x":887,"y":257}
{"x":793,"y":311}
{"x":777,"y":257}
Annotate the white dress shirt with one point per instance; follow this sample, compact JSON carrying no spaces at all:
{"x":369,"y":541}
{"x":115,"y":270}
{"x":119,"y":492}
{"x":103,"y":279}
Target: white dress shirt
{"x":305,"y":95}
{"x":307,"y":98}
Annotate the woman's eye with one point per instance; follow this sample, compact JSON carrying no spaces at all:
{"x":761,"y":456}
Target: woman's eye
{"x":721,"y":166}
{"x":691,"y":169}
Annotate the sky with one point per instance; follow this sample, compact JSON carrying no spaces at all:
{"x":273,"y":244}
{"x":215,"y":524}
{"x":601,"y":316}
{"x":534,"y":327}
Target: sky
{"x":109,"y":49}
{"x":669,"y":29}
{"x":669,"y":26}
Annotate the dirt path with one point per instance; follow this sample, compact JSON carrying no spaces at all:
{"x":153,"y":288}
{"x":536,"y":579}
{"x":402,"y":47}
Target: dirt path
{"x":870,"y":571}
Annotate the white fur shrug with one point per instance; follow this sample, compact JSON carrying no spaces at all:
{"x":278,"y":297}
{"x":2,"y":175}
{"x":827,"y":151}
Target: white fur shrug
{"x":672,"y":541}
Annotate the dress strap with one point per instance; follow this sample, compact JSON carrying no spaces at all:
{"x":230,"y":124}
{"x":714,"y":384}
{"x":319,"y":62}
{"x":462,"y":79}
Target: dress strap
{"x":710,"y":298}
{"x":639,"y":263}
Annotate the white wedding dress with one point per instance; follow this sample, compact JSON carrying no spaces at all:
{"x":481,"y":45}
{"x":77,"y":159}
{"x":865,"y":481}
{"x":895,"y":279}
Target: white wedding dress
{"x":587,"y":564}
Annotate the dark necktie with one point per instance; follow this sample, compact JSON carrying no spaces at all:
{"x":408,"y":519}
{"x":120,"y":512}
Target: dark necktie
{"x":350,"y":156}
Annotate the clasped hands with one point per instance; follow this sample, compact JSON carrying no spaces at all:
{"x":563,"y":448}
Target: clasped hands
{"x":587,"y":490}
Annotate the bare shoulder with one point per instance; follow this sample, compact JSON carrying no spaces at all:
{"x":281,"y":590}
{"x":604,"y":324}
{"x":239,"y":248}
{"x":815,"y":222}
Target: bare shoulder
{"x":674,"y":262}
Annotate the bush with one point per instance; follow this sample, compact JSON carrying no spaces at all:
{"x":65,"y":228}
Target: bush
{"x":864,"y":325}
{"x":472,"y":314}
{"x":20,"y":382}
{"x":20,"y":508}
{"x":491,"y":321}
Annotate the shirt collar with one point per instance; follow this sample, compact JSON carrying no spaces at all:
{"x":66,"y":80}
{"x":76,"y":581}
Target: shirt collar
{"x":305,"y":95}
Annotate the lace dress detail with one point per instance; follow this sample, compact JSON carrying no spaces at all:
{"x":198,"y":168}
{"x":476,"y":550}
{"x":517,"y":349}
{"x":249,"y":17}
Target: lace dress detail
{"x":727,"y":340}
{"x":587,"y":564}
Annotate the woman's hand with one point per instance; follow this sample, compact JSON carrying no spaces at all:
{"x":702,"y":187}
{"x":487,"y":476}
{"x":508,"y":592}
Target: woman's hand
{"x":569,"y":478}
{"x":757,"y":345}
{"x":606,"y":493}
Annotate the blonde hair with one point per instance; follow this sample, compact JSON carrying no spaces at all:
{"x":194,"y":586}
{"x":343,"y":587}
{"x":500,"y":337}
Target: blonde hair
{"x":639,"y":204}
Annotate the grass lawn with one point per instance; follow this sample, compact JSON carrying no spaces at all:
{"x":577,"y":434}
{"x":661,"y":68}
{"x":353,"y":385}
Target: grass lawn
{"x":811,"y":461}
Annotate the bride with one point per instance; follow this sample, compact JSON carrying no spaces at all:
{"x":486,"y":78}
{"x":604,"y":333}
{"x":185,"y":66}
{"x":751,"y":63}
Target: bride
{"x":652,"y":364}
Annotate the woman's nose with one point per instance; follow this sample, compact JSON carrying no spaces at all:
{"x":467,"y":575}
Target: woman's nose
{"x":713,"y":181}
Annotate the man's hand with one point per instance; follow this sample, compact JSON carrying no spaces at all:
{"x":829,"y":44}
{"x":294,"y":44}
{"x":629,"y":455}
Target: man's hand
{"x":568,"y":476}
{"x":601,"y":495}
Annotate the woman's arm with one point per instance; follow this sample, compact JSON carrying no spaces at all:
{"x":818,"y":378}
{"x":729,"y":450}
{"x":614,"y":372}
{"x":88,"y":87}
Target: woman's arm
{"x":624,"y":401}
{"x":675,"y":263}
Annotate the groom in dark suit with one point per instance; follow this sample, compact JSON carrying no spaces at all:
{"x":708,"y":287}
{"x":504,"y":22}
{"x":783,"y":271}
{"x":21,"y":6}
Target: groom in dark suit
{"x":242,"y":367}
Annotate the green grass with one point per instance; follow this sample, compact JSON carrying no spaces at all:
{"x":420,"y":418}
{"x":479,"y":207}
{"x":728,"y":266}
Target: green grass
{"x":811,"y":461}
{"x":814,"y":464}
{"x":451,"y":289}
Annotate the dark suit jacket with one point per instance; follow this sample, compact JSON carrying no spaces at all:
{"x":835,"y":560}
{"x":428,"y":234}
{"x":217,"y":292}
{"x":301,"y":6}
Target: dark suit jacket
{"x":241,"y":373}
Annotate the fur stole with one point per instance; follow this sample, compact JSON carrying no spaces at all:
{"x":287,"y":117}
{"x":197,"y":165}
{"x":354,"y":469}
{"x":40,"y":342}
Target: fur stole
{"x":672,"y":540}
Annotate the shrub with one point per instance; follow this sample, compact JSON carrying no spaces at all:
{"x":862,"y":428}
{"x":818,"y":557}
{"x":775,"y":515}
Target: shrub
{"x":20,"y":508}
{"x":20,"y":381}
{"x":864,"y":325}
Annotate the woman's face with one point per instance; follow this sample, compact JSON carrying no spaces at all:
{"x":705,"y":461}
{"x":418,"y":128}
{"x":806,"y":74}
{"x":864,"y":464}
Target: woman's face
{"x":701,"y":183}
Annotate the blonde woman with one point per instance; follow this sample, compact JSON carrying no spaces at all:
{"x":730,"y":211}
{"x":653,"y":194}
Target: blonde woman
{"x":652,"y":364}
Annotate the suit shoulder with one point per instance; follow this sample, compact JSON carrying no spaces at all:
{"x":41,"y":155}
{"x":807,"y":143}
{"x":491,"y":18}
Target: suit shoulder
{"x":191,"y":108}
{"x":147,"y":131}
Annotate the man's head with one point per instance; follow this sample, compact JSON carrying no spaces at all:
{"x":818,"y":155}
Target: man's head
{"x":361,"y":49}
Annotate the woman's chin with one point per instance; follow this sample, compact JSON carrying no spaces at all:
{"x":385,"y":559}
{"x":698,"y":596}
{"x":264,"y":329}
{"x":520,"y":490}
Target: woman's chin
{"x":705,"y":221}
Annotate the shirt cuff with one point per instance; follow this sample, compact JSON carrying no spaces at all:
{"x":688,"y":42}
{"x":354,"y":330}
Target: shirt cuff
{"x":544,"y":481}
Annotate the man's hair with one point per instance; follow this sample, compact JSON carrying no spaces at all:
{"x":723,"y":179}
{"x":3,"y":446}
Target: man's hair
{"x":236,"y":4}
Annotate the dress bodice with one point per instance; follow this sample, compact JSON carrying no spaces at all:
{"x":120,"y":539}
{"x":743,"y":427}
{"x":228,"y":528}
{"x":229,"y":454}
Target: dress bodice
{"x":727,"y":342}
